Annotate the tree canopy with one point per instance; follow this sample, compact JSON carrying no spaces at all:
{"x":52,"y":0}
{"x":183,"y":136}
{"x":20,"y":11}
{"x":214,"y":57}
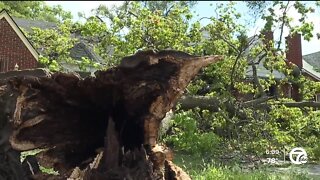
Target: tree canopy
{"x":35,"y":10}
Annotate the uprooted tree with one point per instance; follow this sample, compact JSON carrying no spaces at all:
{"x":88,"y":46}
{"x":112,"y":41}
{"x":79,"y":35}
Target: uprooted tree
{"x":245,"y":126}
{"x":119,"y":110}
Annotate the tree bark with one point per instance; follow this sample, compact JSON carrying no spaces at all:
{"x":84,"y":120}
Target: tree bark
{"x":212,"y":103}
{"x":119,"y":110}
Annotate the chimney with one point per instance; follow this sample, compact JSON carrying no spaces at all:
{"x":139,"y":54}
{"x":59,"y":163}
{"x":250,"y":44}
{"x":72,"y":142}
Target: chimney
{"x":294,"y":50}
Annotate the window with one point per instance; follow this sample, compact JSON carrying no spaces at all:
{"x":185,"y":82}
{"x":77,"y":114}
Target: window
{"x":317,"y":97}
{"x":272,"y":91}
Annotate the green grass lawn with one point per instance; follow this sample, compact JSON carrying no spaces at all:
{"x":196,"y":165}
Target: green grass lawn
{"x":202,"y":169}
{"x":43,"y":169}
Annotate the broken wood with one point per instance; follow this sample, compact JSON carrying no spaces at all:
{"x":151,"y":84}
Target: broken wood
{"x":120,"y":109}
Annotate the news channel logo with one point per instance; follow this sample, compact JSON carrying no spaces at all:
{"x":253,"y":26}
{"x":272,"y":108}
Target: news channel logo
{"x":298,"y":156}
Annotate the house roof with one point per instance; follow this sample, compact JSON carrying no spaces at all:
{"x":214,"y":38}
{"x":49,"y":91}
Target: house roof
{"x":309,"y":69}
{"x":27,"y":24}
{"x":313,"y":59}
{"x":309,"y":63}
{"x":82,"y":49}
{"x":264,"y":73}
{"x":4,"y":14}
{"x":79,"y":50}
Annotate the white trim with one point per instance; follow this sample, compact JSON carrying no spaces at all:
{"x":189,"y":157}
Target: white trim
{"x":4,"y":14}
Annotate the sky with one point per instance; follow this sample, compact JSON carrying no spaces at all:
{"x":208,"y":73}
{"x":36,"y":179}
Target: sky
{"x":203,"y":9}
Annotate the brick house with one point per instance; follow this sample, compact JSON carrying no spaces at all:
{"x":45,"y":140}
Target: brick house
{"x":17,"y":52}
{"x":15,"y":49}
{"x":305,"y":65}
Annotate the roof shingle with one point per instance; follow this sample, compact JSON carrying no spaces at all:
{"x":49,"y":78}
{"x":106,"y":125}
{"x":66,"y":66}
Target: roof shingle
{"x":79,"y":50}
{"x":313,"y":59}
{"x":27,"y":24}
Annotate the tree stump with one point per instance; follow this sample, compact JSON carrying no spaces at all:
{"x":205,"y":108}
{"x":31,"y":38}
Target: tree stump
{"x":102,"y":127}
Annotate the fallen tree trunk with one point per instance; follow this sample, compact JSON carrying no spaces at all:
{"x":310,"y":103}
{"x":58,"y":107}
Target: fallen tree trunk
{"x":120,"y":110}
{"x":213,"y":104}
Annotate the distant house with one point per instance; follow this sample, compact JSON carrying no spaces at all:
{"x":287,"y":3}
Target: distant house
{"x":15,"y":48}
{"x":17,"y":52}
{"x":306,"y":65}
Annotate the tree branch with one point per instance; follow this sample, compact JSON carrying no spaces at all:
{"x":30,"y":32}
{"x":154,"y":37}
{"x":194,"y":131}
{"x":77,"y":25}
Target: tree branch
{"x":203,"y":102}
{"x":133,"y":14}
{"x":256,"y":80}
{"x":205,"y":18}
{"x":168,"y":11}
{"x":301,"y":104}
{"x":256,"y":101}
{"x":282,"y":25}
{"x":212,"y":103}
{"x":237,"y":59}
{"x":229,"y":43}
